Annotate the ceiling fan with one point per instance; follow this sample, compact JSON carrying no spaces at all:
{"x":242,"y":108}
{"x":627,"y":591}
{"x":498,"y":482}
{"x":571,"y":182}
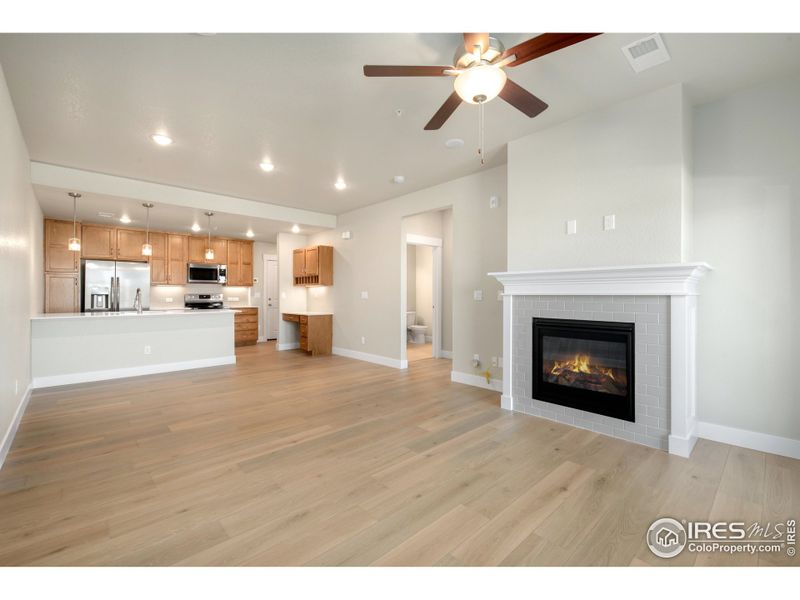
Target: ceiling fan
{"x":479,"y":75}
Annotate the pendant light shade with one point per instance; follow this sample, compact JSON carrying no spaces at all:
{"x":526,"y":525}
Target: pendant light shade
{"x":209,"y":249}
{"x":147,"y":247}
{"x":74,"y":243}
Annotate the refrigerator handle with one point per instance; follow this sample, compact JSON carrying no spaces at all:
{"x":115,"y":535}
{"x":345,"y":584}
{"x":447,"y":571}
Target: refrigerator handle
{"x":111,"y":295}
{"x":117,"y":295}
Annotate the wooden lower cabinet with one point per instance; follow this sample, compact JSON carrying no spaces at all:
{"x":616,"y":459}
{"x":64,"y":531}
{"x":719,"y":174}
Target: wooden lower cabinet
{"x":245,"y":326}
{"x":62,"y":293}
{"x":316,"y":332}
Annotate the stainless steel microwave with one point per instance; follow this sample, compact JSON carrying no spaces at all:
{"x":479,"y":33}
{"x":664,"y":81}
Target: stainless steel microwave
{"x":202,"y":273}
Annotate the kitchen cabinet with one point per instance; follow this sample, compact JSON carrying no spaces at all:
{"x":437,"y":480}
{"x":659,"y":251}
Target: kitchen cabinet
{"x":315,"y":329}
{"x":99,"y":241}
{"x":62,"y":293}
{"x":197,"y":250}
{"x":129,"y":244}
{"x":158,"y":260}
{"x":245,"y":326}
{"x":177,"y":258}
{"x":313,"y":266}
{"x":57,"y":256}
{"x":240,"y":263}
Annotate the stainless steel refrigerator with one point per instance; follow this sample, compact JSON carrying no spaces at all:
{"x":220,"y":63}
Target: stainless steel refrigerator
{"x":110,"y":285}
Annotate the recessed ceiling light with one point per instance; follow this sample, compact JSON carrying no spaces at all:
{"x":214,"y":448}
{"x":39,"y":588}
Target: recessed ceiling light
{"x":267,"y":166}
{"x":340,"y":184}
{"x":125,"y":219}
{"x":195,"y":227}
{"x":454,"y":143}
{"x":399,"y":179}
{"x":250,"y":233}
{"x":161,"y":139}
{"x":295,"y":228}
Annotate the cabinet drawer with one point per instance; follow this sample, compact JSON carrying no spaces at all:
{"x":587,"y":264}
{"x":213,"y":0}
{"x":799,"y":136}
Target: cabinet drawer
{"x":303,"y":319}
{"x":245,"y":319}
{"x":246,"y":327}
{"x":293,"y":318}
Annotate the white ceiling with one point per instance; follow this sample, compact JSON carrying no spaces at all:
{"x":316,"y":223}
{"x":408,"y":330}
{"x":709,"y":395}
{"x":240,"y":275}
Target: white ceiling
{"x":165,"y":217}
{"x":91,"y":102}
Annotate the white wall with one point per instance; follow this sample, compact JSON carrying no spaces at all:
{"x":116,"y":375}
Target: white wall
{"x":423,"y":275}
{"x":411,"y":278}
{"x":292,"y":297}
{"x":626,"y":159}
{"x":21,"y":233}
{"x":747,"y":226}
{"x":374,"y":261}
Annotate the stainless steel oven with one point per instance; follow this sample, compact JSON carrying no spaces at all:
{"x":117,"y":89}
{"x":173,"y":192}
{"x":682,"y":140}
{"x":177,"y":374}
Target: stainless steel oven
{"x":203,"y":273}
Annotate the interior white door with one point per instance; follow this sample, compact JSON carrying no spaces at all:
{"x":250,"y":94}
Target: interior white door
{"x":271,"y":292}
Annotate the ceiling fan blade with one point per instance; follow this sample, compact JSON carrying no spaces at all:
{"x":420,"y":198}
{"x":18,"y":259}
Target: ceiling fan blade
{"x":544,"y":44}
{"x":404,"y":71}
{"x":448,"y":108}
{"x":522,"y":99}
{"x":473,"y":39}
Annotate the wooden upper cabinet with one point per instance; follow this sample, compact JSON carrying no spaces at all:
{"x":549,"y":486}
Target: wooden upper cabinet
{"x":158,"y":261}
{"x":313,"y":265}
{"x":197,"y":249}
{"x":57,"y":256}
{"x":61,"y":292}
{"x":240,"y":263}
{"x":220,"y":247}
{"x":129,"y":244}
{"x":99,"y":241}
{"x":177,"y":258}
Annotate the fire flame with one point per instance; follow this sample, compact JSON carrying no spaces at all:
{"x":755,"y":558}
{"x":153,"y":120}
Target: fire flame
{"x":580,"y":364}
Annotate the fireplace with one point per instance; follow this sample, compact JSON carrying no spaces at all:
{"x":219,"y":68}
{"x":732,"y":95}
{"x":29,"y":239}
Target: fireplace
{"x":586,"y":365}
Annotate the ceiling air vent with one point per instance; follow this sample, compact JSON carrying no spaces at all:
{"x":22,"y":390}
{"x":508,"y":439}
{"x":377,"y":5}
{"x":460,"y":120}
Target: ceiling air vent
{"x":646,"y":53}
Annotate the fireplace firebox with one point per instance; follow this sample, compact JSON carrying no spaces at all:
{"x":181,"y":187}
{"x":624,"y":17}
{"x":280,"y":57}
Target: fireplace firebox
{"x":586,"y":365}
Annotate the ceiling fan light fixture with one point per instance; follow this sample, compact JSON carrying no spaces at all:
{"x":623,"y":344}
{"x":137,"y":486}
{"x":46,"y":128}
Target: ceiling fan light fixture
{"x":480,"y":84}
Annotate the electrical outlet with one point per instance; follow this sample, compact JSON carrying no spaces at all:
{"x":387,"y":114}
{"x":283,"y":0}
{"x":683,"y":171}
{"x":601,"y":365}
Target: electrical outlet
{"x":476,"y":360}
{"x":494,"y":202}
{"x":16,"y":387}
{"x":609,"y":222}
{"x":363,"y":340}
{"x":167,"y":299}
{"x":477,"y":295}
{"x":365,"y":295}
{"x":494,"y":361}
{"x":233,"y":298}
{"x":147,"y":350}
{"x":572,"y":227}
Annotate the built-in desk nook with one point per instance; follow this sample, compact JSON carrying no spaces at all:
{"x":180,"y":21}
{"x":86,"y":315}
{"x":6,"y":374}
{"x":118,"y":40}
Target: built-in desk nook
{"x":315,"y":331}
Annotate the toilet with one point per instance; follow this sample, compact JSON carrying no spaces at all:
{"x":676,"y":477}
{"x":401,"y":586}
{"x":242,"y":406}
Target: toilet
{"x":416,"y":333}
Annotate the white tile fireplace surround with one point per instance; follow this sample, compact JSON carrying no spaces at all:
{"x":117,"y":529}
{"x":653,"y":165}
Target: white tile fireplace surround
{"x":661,"y":300}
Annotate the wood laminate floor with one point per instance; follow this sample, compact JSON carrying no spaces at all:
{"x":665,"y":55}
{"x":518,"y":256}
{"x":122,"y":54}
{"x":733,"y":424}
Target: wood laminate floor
{"x":284,"y":459}
{"x":416,"y":352}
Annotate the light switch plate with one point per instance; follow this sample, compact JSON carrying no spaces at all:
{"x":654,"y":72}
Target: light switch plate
{"x":494,"y":202}
{"x":477,"y":295}
{"x":609,"y":222}
{"x":572,"y":227}
{"x":346,"y":235}
{"x":233,"y":298}
{"x":167,"y":299}
{"x":365,"y":295}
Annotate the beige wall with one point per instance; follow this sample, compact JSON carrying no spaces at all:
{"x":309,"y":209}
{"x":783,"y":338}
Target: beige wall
{"x":747,"y":226}
{"x":629,"y":160}
{"x":374,"y":260}
{"x":423,"y":276}
{"x":411,"y":278}
{"x":21,"y":233}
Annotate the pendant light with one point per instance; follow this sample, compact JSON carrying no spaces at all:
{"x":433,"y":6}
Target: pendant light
{"x":74,"y":243}
{"x":209,"y":249}
{"x":147,"y":247}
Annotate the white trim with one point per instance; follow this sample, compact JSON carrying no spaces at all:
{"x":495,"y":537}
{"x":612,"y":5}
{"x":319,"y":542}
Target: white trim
{"x":678,"y":279}
{"x":261,"y":340}
{"x":507,"y":401}
{"x":8,"y":437}
{"x":87,"y":376}
{"x":287,"y":346}
{"x":423,"y":240}
{"x":496,"y":385}
{"x":447,"y":354}
{"x":377,"y":359}
{"x":755,"y":440}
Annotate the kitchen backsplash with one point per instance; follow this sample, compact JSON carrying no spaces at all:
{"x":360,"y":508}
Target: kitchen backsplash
{"x":160,"y":295}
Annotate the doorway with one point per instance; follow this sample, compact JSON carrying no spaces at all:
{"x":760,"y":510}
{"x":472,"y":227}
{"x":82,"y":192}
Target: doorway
{"x":423,"y":314}
{"x":271,"y":308}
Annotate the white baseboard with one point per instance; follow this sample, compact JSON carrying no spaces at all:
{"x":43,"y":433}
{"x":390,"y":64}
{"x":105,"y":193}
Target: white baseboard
{"x":8,"y":437}
{"x":476,"y":381}
{"x":288,"y":346}
{"x":754,"y":440}
{"x":371,"y":358}
{"x":447,"y":354}
{"x":681,"y":446}
{"x":87,"y":376}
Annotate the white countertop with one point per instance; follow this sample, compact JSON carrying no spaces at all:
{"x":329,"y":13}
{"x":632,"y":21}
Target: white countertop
{"x":132,"y":314}
{"x":306,"y":313}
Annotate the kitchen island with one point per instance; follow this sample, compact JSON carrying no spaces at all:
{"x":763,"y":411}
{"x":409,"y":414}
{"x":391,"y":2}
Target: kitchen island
{"x":78,"y":347}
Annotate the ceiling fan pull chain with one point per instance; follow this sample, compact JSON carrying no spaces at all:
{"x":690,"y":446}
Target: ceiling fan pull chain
{"x":481,"y":128}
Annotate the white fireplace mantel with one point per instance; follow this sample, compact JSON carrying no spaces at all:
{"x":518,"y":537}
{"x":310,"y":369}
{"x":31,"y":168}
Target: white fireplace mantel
{"x":678,"y":281}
